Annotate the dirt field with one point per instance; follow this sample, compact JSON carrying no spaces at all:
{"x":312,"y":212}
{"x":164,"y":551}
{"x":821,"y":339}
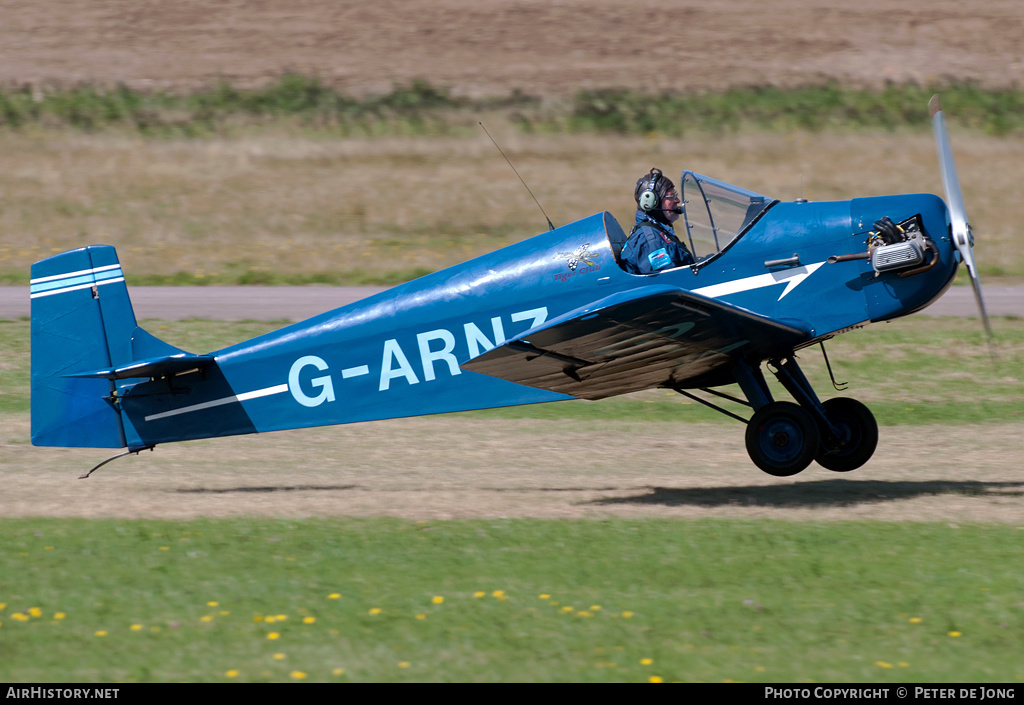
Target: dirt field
{"x":543,"y":47}
{"x":437,"y":467}
{"x":440,"y":468}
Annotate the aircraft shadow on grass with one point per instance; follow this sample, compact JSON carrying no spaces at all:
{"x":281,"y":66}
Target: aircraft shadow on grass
{"x":797,"y":495}
{"x":267,"y":489}
{"x":814,"y":495}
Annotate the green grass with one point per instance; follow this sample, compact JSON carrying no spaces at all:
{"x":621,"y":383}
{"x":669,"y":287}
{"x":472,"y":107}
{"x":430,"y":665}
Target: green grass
{"x":918,"y":370}
{"x":520,"y":600}
{"x":813,"y":108}
{"x":420,"y":108}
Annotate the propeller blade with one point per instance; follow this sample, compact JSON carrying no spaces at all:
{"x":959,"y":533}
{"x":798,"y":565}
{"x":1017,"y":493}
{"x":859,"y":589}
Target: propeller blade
{"x":963,"y":238}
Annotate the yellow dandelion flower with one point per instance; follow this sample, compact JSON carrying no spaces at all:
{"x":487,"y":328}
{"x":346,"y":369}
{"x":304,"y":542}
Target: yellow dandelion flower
{"x":165,"y":548}
{"x":375,"y":610}
{"x":101,"y":632}
{"x":544,"y":596}
{"x":498,"y":593}
{"x":421,"y":616}
{"x":595,"y":608}
{"x":567,"y":608}
{"x":903,"y":664}
{"x":334,"y":596}
{"x":646,"y":661}
{"x":883,"y":664}
{"x":270,"y":619}
{"x":35,"y":611}
{"x":479,"y":593}
{"x":655,"y":679}
{"x":298,"y":675}
{"x":212,"y":603}
{"x":338,"y":672}
{"x":206,"y":618}
{"x":584,"y":613}
{"x":257,"y":619}
{"x":954,"y":634}
{"x":438,"y":599}
{"x":231,"y":674}
{"x":627,"y":615}
{"x":282,"y":617}
{"x":3,"y":605}
{"x":403,"y":664}
{"x":59,"y":615}
{"x":279,"y":657}
{"x":19,"y":617}
{"x":308,"y":620}
{"x":915,"y":620}
{"x":273,"y":636}
{"x":223,"y":613}
{"x":136,"y":627}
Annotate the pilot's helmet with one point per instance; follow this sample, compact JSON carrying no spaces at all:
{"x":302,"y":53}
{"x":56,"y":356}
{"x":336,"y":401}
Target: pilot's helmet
{"x":651,"y":189}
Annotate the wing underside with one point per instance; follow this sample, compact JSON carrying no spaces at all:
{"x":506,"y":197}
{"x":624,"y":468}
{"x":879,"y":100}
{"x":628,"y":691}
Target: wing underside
{"x":639,"y":339}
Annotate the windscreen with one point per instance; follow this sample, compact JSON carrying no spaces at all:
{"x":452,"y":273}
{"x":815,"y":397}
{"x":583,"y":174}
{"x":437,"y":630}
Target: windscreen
{"x":715,"y":213}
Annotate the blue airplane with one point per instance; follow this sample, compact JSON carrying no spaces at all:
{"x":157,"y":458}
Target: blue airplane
{"x":552,"y":318}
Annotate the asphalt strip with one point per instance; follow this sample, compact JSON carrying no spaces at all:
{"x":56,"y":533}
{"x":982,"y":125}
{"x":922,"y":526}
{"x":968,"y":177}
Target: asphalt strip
{"x":297,"y":303}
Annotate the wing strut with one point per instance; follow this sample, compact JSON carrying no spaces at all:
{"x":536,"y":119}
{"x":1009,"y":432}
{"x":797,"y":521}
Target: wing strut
{"x":706,"y":403}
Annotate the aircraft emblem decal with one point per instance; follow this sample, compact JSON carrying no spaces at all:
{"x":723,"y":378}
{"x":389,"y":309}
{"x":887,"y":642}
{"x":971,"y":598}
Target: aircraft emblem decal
{"x":792,"y":278}
{"x":580,"y":254}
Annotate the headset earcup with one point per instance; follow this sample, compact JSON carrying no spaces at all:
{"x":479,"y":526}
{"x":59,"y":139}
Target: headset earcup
{"x":648,"y":201}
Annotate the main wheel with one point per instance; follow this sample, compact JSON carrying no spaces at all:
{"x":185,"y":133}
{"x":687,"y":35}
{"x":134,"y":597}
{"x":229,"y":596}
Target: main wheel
{"x":858,"y":435}
{"x":782,"y":438}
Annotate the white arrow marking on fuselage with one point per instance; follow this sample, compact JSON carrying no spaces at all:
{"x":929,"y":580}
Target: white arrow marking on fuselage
{"x":792,"y":278}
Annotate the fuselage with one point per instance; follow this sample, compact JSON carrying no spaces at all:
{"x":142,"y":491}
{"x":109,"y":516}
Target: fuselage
{"x":399,"y":353}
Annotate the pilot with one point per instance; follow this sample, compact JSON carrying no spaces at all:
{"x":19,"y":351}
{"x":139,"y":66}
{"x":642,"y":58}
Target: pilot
{"x":652,"y":245}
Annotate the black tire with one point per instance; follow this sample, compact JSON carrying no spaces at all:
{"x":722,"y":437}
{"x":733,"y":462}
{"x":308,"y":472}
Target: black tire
{"x":859,"y":437}
{"x":782,"y":439}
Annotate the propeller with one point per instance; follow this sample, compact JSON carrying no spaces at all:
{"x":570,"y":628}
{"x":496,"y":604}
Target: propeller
{"x":963,"y":238}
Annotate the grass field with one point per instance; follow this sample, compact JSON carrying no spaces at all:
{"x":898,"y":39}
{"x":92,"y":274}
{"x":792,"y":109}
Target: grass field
{"x":609,"y":600}
{"x":508,"y":600}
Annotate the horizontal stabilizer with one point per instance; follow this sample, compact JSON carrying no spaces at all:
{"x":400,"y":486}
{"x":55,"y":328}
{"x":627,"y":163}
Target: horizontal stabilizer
{"x":152,"y":367}
{"x":655,"y":336}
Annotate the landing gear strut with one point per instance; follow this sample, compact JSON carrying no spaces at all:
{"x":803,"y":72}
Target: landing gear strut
{"x":783,"y":438}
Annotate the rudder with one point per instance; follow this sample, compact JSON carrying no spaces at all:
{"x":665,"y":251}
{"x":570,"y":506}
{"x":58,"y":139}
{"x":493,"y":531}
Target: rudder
{"x":82,"y":319}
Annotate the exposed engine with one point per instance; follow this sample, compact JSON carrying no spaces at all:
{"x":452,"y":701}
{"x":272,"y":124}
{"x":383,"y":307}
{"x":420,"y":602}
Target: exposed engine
{"x":901,"y":247}
{"x":896,"y":246}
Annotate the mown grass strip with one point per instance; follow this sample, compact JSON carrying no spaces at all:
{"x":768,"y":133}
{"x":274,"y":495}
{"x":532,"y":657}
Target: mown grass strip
{"x":508,"y":600}
{"x":421,"y":108}
{"x":918,"y":370}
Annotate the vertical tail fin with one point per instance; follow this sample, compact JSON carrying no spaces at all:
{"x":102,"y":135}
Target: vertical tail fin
{"x":82,"y":319}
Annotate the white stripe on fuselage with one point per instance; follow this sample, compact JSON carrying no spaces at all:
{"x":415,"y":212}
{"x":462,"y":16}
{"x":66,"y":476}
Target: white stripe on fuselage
{"x":792,"y":278}
{"x":256,"y":394}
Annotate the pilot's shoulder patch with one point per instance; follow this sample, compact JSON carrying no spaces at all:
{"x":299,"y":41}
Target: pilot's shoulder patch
{"x":659,"y":259}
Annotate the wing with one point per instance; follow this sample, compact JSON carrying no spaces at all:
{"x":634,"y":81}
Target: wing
{"x":655,"y":336}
